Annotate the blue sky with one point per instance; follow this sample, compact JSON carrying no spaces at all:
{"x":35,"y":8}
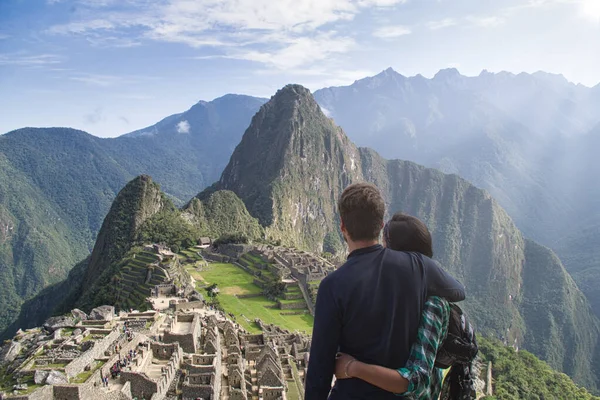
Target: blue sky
{"x":112,"y":66}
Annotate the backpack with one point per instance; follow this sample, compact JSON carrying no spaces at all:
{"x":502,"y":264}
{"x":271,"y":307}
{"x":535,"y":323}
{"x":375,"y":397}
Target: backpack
{"x":457,"y":352}
{"x":460,"y":346}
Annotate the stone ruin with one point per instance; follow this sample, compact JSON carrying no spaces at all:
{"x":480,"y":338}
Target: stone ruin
{"x":177,"y":354}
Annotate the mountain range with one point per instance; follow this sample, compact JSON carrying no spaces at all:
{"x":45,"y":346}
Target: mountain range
{"x":290,"y":165}
{"x":287,"y":172}
{"x":529,"y":139}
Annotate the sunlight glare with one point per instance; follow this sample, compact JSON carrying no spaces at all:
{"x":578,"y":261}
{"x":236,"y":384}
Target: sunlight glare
{"x":591,"y":9}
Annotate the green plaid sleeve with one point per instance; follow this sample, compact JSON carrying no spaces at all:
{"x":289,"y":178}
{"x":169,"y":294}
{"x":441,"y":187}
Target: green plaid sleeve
{"x":424,"y":381}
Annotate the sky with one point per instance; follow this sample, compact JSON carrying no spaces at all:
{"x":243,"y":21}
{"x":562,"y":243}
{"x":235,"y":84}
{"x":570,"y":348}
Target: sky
{"x":113,"y":66}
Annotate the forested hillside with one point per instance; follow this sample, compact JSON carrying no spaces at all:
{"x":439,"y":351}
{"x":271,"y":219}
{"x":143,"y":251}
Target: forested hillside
{"x":57,"y":184}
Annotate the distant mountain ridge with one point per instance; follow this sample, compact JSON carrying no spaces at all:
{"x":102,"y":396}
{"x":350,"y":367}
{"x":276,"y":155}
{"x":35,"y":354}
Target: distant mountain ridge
{"x":529,"y":139}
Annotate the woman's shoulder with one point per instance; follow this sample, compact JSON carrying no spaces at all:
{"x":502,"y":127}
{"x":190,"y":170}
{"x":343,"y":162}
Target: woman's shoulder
{"x":436,"y":301}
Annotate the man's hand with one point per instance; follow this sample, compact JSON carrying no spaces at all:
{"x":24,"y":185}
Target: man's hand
{"x":343,"y":366}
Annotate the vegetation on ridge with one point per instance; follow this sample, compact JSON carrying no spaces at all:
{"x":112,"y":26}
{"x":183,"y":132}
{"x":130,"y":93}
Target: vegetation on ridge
{"x":519,"y":375}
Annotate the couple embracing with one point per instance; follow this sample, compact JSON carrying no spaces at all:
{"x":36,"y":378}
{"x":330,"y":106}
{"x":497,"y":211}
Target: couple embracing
{"x":380,"y":318}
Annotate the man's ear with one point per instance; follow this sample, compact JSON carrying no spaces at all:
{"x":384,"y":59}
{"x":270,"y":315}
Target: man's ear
{"x":344,"y":231}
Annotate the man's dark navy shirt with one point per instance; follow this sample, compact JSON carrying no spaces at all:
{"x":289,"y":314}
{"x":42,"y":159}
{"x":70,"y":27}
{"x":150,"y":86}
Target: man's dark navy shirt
{"x":370,"y":308}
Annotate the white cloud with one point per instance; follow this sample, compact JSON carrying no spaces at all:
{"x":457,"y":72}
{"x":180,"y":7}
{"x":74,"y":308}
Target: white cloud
{"x":282,"y":33}
{"x":183,"y":127}
{"x":97,"y":79}
{"x":103,"y":80}
{"x":296,"y":52}
{"x":441,"y":24}
{"x":184,"y":19}
{"x":21,"y":59}
{"x":392,"y":31}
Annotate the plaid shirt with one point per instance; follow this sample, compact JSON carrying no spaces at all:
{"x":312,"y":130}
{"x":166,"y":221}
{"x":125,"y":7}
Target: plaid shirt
{"x":424,"y":380}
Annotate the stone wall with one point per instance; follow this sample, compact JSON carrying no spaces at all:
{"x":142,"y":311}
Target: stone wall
{"x":259,"y":283}
{"x":44,"y":393}
{"x":189,"y":392}
{"x":237,"y":394}
{"x":189,"y":305}
{"x":141,"y":385}
{"x":216,"y":257}
{"x":77,"y":366}
{"x":272,"y":393}
{"x":234,"y":250}
{"x":170,"y":373}
{"x":163,"y":351}
{"x":67,"y":392}
{"x":292,"y":306}
{"x":189,"y":340}
{"x":163,"y":290}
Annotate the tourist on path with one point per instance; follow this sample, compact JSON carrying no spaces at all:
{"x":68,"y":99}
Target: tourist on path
{"x":371,"y":306}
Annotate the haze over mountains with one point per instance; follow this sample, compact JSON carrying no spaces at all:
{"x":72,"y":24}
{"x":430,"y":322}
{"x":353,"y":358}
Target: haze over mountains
{"x":292,"y":163}
{"x":530,"y":140}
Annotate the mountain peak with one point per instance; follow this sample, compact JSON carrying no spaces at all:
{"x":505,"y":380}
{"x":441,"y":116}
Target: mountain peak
{"x":284,"y":150}
{"x":136,"y":202}
{"x":447,"y":73}
{"x":291,"y":91}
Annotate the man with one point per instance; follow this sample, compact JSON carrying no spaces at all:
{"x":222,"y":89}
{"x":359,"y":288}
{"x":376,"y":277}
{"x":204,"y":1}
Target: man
{"x":370,"y":307}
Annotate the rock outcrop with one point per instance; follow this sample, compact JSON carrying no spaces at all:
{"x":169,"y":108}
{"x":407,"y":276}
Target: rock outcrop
{"x":56,"y":378}
{"x":104,"y":313}
{"x":54,"y":323}
{"x":10,"y":351}
{"x":78,"y":314}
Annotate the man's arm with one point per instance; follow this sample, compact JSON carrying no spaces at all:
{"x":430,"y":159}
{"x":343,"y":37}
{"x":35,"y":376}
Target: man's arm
{"x":382,"y":377}
{"x":442,"y":284}
{"x":416,"y":378}
{"x":324,"y":345}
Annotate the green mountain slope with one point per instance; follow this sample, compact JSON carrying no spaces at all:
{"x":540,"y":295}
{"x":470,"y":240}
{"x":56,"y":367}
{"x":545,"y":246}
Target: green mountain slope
{"x":140,"y":214}
{"x":32,"y":254}
{"x":292,"y":164}
{"x":520,"y":375}
{"x":222,"y":212}
{"x":57,"y":185}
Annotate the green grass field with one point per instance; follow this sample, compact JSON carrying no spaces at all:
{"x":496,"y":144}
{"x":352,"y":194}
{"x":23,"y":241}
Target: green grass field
{"x":233,"y":281}
{"x":293,"y":392}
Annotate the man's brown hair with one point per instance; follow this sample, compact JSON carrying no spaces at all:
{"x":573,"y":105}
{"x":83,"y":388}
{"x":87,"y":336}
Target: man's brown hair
{"x":407,"y":233}
{"x":362,"y":209}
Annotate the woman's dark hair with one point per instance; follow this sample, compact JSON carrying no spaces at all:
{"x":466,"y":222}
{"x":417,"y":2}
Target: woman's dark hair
{"x":407,"y":233}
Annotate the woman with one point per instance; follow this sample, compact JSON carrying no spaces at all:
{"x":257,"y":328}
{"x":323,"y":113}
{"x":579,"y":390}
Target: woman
{"x":418,"y":379}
